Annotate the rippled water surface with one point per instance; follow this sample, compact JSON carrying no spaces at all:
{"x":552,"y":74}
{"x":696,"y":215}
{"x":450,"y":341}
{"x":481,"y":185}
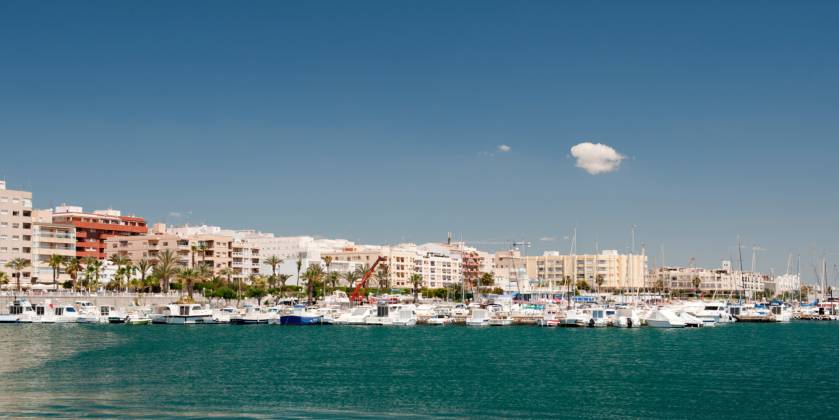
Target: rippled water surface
{"x":743,"y":371}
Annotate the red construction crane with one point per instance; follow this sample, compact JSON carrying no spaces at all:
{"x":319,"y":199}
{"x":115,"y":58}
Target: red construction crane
{"x":356,"y":297}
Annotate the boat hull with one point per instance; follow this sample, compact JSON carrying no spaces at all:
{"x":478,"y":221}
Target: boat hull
{"x":300,"y":320}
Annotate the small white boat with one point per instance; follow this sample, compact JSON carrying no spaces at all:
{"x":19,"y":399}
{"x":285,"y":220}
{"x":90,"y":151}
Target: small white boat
{"x":627,"y":318}
{"x":439,"y":319}
{"x":20,"y":310}
{"x":253,"y":315}
{"x":405,"y":317}
{"x":182,"y":313}
{"x":663,"y":318}
{"x":65,"y":314}
{"x":478,"y":318}
{"x":575,"y":318}
{"x":357,"y":316}
{"x":137,"y":318}
{"x":112,"y":315}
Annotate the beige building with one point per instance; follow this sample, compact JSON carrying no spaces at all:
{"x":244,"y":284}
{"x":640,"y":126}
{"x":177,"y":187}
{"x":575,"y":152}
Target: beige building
{"x":723,"y":280}
{"x":245,"y":260}
{"x":50,"y":239}
{"x":217,"y":254}
{"x":15,"y":231}
{"x":549,"y":272}
{"x":400,"y":262}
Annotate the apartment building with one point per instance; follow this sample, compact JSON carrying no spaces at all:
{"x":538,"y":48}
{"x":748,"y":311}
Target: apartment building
{"x":245,"y":260}
{"x":400,"y":261}
{"x":50,"y":239}
{"x":606,"y":271}
{"x":213,"y":251}
{"x":15,"y":229}
{"x":723,"y":280}
{"x":438,"y":269}
{"x":93,"y":229}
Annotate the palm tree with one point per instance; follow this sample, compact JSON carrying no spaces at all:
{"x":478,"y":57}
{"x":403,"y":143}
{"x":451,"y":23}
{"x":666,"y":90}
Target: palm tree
{"x":56,"y":262}
{"x":332,"y":279}
{"x":121,"y":261}
{"x":313,"y":275}
{"x":4,"y":278}
{"x":299,"y":266}
{"x":92,"y":268}
{"x":327,"y":260}
{"x":187,"y":277}
{"x":72,"y":267}
{"x":599,"y":281}
{"x":416,"y":282}
{"x":257,"y":288}
{"x":696,"y":283}
{"x":351,"y":277}
{"x":282,"y":278}
{"x":226,"y":272}
{"x":18,"y":265}
{"x":166,"y":268}
{"x":273,"y":261}
{"x":383,"y":278}
{"x":143,"y":266}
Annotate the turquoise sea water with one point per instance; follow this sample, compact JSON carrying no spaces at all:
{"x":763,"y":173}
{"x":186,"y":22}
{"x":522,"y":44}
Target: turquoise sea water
{"x":742,"y":371}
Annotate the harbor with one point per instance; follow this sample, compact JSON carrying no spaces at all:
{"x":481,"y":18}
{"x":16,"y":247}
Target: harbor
{"x":79,"y":370}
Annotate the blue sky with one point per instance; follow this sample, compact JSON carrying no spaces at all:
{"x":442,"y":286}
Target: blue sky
{"x":380,"y":121}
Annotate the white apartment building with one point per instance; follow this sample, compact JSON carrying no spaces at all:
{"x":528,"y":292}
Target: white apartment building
{"x":723,"y":280}
{"x":245,"y":261}
{"x":15,"y":231}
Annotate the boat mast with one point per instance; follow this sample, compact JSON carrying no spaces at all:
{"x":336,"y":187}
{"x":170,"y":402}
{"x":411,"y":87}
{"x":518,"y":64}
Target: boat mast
{"x":740,"y":252}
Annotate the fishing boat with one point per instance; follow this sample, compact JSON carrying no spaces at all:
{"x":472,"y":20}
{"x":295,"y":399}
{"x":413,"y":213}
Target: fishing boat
{"x":137,"y":318}
{"x":299,"y":316}
{"x":755,"y":313}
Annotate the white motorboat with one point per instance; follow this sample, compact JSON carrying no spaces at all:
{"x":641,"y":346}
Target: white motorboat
{"x":663,"y":318}
{"x":253,"y":315}
{"x":357,"y":316}
{"x":137,"y":318}
{"x":627,"y":318}
{"x":692,"y":321}
{"x":405,"y":317}
{"x":65,"y":314}
{"x":222,"y":316}
{"x":712,"y":312}
{"x":112,"y":315}
{"x":182,"y":313}
{"x":459,"y":311}
{"x":20,"y":310}
{"x":478,"y":318}
{"x":575,"y":318}
{"x":439,"y":319}
{"x":597,"y":318}
{"x":425,"y":311}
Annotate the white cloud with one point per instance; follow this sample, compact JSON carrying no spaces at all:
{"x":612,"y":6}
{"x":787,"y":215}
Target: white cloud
{"x":596,"y":158}
{"x":178,"y":214}
{"x":503,"y":148}
{"x":547,"y":239}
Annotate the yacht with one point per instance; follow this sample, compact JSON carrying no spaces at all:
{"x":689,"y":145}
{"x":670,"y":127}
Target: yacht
{"x":20,"y":310}
{"x":663,"y":318}
{"x":692,"y":321}
{"x":182,"y":313}
{"x":781,"y":312}
{"x":299,"y":316}
{"x":550,"y":317}
{"x":478,"y":318}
